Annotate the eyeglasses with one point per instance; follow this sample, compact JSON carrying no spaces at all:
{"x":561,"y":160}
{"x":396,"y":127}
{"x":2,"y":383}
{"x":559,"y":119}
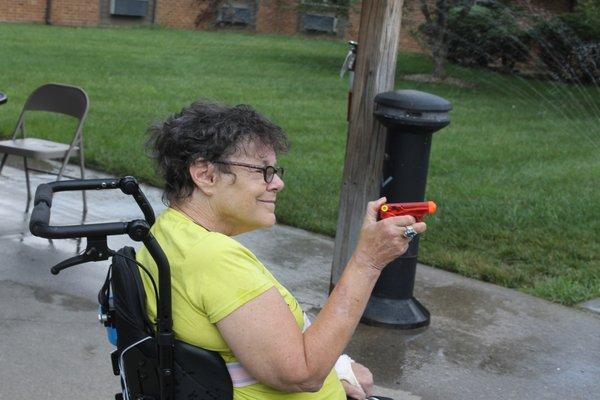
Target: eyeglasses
{"x":268,"y":172}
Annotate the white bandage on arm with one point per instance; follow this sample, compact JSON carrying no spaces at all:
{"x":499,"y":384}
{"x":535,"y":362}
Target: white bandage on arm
{"x":343,"y":367}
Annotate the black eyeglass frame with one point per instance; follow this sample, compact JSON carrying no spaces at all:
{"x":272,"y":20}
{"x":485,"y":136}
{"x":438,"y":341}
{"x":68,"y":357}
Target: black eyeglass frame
{"x":268,"y":171}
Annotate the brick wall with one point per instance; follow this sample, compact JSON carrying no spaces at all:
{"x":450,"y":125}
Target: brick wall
{"x":353,"y":21}
{"x":277,"y":16}
{"x":178,"y":13}
{"x":22,"y":10}
{"x":75,"y":12}
{"x":412,"y":17}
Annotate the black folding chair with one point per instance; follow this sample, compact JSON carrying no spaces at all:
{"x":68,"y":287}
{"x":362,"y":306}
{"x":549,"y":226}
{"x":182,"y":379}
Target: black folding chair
{"x":56,"y":98}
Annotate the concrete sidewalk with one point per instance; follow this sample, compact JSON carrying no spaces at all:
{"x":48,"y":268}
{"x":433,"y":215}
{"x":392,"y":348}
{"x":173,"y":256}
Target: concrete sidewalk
{"x":484,"y":341}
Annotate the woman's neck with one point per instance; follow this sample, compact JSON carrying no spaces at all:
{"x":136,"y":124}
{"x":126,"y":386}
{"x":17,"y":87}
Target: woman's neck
{"x":202,"y":215}
{"x":195,"y":213}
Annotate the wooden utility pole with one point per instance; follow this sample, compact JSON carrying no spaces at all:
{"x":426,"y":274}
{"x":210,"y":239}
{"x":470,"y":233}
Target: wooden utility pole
{"x":375,"y":68}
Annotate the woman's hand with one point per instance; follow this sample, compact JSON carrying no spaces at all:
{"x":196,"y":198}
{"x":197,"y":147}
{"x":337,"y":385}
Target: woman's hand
{"x":381,"y":242}
{"x":365,"y":379}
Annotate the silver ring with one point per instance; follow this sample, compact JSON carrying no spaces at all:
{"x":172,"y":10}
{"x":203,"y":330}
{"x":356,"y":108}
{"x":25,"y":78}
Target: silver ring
{"x":409,"y":233}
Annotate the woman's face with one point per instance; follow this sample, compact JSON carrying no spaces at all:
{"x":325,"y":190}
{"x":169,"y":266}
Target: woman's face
{"x":243,"y":200}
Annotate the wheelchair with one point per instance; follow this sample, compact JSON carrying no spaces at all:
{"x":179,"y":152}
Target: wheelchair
{"x":151,"y":363}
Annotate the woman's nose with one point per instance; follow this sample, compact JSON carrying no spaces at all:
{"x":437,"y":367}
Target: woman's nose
{"x":276,"y":184}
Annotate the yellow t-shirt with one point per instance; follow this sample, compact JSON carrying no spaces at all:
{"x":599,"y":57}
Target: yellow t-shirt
{"x":211,"y":276}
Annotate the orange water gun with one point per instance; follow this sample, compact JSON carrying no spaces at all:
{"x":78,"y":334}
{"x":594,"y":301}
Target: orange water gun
{"x":417,"y":209}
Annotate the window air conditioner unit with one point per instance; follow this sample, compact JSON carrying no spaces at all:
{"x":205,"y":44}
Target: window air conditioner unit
{"x":231,"y":15}
{"x":319,"y":23}
{"x":132,"y":8}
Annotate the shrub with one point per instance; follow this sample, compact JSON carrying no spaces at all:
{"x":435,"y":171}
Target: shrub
{"x":585,"y":62}
{"x":489,"y":34}
{"x":569,"y":44}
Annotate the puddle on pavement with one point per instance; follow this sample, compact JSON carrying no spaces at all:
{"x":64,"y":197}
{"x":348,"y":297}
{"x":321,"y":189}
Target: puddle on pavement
{"x":467,"y":305}
{"x":43,"y":295}
{"x":71,"y":246}
{"x":389,"y":353}
{"x":462,"y":334}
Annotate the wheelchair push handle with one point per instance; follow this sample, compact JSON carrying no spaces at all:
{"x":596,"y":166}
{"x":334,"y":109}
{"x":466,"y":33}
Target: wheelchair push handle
{"x":39,"y":224}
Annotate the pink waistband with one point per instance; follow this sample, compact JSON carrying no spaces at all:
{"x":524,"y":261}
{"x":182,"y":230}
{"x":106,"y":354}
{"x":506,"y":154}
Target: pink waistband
{"x":239,"y":376}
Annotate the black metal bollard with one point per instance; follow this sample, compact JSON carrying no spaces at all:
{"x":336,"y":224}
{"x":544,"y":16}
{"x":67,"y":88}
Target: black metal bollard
{"x":411,"y":118}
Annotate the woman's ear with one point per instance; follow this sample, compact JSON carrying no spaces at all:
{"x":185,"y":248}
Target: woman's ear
{"x":204,"y":175}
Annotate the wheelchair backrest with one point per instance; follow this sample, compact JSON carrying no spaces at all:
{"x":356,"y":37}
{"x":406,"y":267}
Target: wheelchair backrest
{"x":198,"y":373}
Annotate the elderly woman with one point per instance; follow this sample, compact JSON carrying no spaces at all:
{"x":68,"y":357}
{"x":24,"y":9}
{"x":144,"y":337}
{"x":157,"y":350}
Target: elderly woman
{"x":221,"y":179}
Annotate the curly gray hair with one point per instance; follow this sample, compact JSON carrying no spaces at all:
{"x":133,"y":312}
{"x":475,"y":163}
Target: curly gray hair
{"x":209,"y":131}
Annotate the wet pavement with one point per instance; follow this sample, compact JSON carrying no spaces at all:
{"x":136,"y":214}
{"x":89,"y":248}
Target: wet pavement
{"x":484,"y":341}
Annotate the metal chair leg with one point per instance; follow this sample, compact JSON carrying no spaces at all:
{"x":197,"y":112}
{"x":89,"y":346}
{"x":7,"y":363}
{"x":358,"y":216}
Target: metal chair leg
{"x":82,"y":171}
{"x":28,"y":184}
{"x":65,"y":161}
{"x":3,"y":162}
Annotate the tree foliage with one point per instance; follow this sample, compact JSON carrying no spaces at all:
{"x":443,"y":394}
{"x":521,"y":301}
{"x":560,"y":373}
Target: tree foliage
{"x":492,"y":33}
{"x":569,"y":44}
{"x":489,"y":34}
{"x":436,"y":30}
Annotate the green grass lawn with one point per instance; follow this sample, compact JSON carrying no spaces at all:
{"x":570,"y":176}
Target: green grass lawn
{"x":515,"y":175}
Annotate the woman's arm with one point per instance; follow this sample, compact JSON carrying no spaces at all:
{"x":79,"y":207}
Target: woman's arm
{"x":263,"y":333}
